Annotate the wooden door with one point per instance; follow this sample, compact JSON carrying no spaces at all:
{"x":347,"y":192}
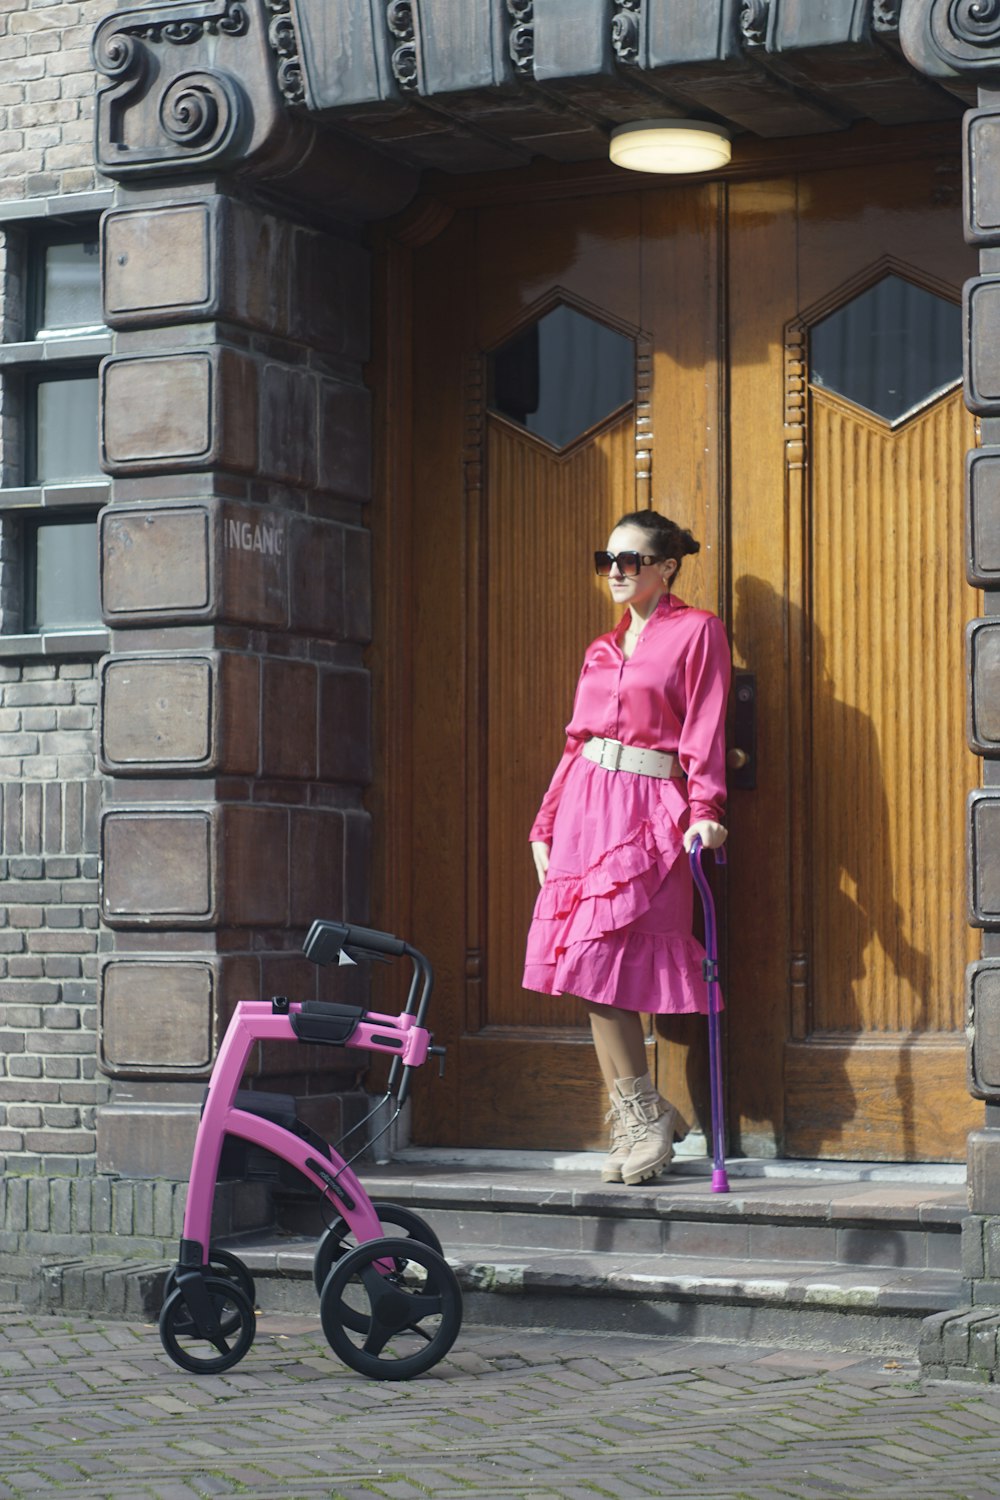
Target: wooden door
{"x":849,"y":605}
{"x":502,"y":601}
{"x":831,"y":537}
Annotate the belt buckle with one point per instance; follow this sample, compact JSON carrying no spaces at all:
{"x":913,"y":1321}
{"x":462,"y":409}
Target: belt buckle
{"x":617,"y":747}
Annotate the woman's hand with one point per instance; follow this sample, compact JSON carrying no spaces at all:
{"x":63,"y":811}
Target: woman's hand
{"x":712,"y":835}
{"x":540,"y":854}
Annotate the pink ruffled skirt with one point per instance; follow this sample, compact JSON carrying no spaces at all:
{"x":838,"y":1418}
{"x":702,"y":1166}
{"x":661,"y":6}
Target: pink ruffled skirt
{"x":612,"y":922}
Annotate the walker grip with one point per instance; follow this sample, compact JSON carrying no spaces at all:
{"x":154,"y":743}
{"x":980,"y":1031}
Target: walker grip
{"x":325,"y":941}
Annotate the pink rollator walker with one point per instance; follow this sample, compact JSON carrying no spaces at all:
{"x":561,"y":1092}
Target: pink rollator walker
{"x":710,"y":969}
{"x":390,"y":1304}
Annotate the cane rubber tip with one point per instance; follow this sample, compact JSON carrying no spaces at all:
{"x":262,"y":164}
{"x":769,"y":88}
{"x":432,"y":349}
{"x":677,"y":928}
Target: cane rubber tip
{"x":720,"y":1182}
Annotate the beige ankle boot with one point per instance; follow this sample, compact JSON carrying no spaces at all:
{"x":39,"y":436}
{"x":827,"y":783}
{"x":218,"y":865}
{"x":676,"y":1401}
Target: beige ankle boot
{"x":620,"y":1143}
{"x":653,"y":1122}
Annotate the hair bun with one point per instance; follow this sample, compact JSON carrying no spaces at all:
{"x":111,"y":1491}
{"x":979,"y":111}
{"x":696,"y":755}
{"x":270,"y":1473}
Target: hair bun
{"x":688,"y":542}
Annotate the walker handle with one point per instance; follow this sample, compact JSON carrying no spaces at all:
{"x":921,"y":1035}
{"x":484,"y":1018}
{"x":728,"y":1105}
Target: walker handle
{"x":325,"y":940}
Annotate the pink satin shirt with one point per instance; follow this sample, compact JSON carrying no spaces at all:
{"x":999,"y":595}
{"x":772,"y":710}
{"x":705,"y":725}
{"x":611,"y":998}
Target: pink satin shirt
{"x":670,"y":694}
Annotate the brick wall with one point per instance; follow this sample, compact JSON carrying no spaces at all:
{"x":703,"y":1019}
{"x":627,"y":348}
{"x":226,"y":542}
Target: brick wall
{"x":47,"y":97}
{"x":49,"y":788}
{"x":49,"y":927}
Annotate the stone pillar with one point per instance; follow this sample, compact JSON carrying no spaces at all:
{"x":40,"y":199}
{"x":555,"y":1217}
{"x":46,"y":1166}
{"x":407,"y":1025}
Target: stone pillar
{"x":962,"y":41}
{"x":235,"y":567}
{"x":234,"y":703}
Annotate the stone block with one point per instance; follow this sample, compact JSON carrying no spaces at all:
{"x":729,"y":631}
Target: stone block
{"x":163,"y":714}
{"x":983,"y":686}
{"x":984,"y":1171}
{"x":289,"y":719}
{"x":191,"y":410}
{"x":288,"y":424}
{"x":331,"y":307}
{"x":983,"y":1028}
{"x":158,"y":1016}
{"x":345,"y":443}
{"x":983,"y":859}
{"x":209,"y":259}
{"x":981,"y":304}
{"x":982,"y":517}
{"x":255,"y":866}
{"x":357,"y":585}
{"x":316,"y":578}
{"x":983,"y":1346}
{"x":195,"y":867}
{"x":345,"y":726}
{"x":251,"y":562}
{"x":317,"y":864}
{"x":136,"y":1140}
{"x":160,"y":866}
{"x":981,"y":138}
{"x":155,"y":562}
{"x":159,"y":265}
{"x":177,"y":561}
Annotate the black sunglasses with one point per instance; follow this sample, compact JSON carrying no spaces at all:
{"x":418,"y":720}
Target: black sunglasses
{"x":629,"y":563}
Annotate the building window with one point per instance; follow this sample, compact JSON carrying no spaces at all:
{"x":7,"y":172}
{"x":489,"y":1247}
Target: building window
{"x":562,"y":375}
{"x":51,"y":485}
{"x":60,"y":438}
{"x":65,"y":280}
{"x":891,"y":349}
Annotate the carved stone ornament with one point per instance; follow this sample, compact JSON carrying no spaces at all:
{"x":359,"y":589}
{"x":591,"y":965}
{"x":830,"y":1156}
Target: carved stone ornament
{"x":399,"y":19}
{"x":522,"y":35}
{"x":285,"y":45}
{"x":885,"y":16}
{"x":964,"y":35}
{"x":753,"y":22}
{"x":625,"y":27}
{"x":178,"y":113}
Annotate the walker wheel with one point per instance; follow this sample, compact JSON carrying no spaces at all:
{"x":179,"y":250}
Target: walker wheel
{"x":391,"y":1309}
{"x":190,"y":1332}
{"x":228,"y":1268}
{"x":339,"y":1238}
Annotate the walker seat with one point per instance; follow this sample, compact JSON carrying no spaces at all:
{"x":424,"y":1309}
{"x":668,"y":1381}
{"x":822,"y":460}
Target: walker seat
{"x":390,"y":1304}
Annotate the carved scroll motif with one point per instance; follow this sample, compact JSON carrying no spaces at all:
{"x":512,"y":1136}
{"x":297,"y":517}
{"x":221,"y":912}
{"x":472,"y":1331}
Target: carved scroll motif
{"x":399,"y":19}
{"x":625,"y":31}
{"x":522,"y":34}
{"x":965,"y":34}
{"x":976,"y":22}
{"x":753,"y":22}
{"x":285,"y":45}
{"x":198,"y":113}
{"x":885,"y":16}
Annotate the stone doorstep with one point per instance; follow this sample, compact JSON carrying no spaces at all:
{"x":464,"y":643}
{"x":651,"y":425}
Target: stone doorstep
{"x":843,"y":1261}
{"x":838,"y":1260}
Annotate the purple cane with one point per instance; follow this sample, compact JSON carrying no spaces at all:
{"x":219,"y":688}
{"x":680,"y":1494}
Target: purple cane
{"x":720,"y":1181}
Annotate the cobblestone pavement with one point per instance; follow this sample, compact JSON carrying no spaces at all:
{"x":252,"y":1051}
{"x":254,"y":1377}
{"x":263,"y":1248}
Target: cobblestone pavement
{"x":95,"y":1409}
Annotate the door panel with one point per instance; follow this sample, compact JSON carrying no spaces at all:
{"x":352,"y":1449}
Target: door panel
{"x":870,"y":613}
{"x":831,"y":547}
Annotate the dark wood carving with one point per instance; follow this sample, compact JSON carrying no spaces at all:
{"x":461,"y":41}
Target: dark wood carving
{"x":284,"y":44}
{"x":399,"y":19}
{"x":753,"y":22}
{"x":522,"y":35}
{"x":625,"y":29}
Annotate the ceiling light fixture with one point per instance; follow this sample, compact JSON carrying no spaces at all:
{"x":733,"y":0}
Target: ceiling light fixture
{"x":670,"y":146}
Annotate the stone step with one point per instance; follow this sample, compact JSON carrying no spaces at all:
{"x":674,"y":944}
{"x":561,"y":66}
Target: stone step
{"x":847,"y":1256}
{"x":852,"y":1258}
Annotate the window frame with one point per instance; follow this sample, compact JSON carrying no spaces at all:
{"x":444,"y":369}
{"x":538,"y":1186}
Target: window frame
{"x":30,"y":354}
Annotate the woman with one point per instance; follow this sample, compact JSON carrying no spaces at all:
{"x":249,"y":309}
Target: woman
{"x":642,"y":774}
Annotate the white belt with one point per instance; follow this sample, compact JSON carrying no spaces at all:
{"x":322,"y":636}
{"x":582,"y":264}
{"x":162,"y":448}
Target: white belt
{"x":614,"y":756}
